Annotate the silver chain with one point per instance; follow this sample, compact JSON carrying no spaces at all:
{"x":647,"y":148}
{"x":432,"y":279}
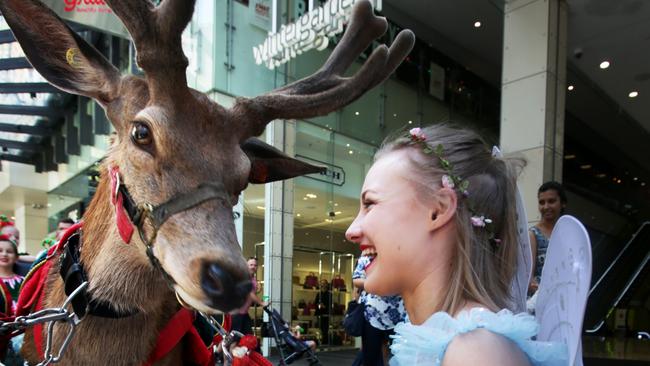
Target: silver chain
{"x":50,"y":316}
{"x":228,"y":338}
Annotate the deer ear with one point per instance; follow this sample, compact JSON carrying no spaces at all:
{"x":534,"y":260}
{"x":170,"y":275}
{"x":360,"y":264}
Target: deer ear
{"x":58,"y":53}
{"x":269,"y":164}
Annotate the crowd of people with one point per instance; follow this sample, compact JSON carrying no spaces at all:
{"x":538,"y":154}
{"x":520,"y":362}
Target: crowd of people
{"x":14,"y":265}
{"x":437,"y":204}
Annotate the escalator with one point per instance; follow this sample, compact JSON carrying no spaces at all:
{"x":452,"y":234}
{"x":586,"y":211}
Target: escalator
{"x":617,"y":278}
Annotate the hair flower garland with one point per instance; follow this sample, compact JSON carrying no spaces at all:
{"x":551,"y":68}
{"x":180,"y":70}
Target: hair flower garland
{"x":451,"y":181}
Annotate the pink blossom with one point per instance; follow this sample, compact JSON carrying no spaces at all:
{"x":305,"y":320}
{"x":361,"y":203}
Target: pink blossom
{"x":447,"y":182}
{"x":478,"y":221}
{"x":417,"y":134}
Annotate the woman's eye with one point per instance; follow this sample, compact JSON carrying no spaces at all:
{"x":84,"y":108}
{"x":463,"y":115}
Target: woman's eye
{"x":141,"y":134}
{"x":367,"y":204}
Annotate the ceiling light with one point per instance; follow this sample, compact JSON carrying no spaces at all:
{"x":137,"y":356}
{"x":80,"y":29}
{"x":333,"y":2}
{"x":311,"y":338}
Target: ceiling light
{"x":356,"y":113}
{"x":328,"y":220}
{"x":347,"y":145}
{"x":410,"y":122}
{"x":350,"y":152}
{"x":633,"y":94}
{"x":477,"y":24}
{"x":338,"y":213}
{"x":619,"y":181}
{"x":635,"y":179}
{"x":311,"y":195}
{"x":570,"y":87}
{"x":642,"y":184}
{"x":298,"y":215}
{"x":304,"y":198}
{"x":394,"y":114}
{"x":260,"y":207}
{"x":601,"y":175}
{"x":604,"y":65}
{"x":569,"y":157}
{"x":336,"y":205}
{"x":585,"y":166}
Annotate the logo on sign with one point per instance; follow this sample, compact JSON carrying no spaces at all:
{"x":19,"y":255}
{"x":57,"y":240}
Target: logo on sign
{"x":86,"y":6}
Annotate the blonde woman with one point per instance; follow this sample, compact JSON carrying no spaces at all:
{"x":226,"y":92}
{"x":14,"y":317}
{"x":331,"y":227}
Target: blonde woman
{"x":439,"y":211}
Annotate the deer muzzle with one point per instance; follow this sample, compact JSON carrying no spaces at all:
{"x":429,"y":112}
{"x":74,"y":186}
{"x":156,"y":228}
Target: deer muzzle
{"x":222,"y":289}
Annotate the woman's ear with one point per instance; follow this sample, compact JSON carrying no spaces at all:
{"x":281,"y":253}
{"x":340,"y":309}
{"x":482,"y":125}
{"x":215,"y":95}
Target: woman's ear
{"x":443,"y":208}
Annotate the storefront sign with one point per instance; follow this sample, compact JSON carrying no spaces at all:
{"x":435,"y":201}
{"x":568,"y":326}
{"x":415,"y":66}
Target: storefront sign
{"x":334,"y":174}
{"x":312,"y":30}
{"x":92,"y":13}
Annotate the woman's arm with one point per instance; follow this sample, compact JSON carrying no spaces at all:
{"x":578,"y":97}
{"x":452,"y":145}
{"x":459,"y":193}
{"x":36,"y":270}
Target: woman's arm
{"x":532,"y":286}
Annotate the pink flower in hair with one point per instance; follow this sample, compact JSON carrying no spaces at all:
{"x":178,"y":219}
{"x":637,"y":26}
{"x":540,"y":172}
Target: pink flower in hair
{"x":478,"y":221}
{"x":447,"y":182}
{"x":417,"y":134}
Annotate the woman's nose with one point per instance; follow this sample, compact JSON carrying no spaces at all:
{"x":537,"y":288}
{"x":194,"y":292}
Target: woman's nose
{"x":353,"y":233}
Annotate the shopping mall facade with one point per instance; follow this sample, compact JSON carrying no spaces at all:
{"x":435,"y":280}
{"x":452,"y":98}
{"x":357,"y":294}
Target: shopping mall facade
{"x":524,"y":73}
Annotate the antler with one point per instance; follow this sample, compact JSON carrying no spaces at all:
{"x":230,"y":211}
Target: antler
{"x":156,"y":33}
{"x":327,"y":90}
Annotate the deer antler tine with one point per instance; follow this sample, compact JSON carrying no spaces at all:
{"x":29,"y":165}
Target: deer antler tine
{"x":156,"y":33}
{"x":135,"y":15}
{"x":402,"y":45}
{"x":174,"y":15}
{"x":363,"y":28}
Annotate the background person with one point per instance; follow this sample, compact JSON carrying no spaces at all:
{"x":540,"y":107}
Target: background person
{"x":382,"y":314}
{"x":242,"y":321}
{"x":551,"y":202}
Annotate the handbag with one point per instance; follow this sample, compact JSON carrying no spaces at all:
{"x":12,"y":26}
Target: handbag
{"x":338,"y":283}
{"x":354,"y":319}
{"x":311,"y":281}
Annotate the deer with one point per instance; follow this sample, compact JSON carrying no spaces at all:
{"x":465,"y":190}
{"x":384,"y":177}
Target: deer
{"x":174,"y":172}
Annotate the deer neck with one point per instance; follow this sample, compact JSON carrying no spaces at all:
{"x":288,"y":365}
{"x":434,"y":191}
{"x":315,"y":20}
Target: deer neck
{"x":119,"y":273}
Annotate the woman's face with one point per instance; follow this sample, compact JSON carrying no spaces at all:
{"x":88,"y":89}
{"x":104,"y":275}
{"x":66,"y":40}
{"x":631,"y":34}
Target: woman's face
{"x":393,"y":220}
{"x":8,"y":254}
{"x":549,"y":204}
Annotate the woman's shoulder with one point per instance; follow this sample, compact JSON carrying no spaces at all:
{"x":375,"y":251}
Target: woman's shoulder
{"x":483,"y":347}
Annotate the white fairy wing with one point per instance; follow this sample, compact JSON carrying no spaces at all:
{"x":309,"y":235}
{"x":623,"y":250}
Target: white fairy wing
{"x":521,"y":279}
{"x":563,"y":289}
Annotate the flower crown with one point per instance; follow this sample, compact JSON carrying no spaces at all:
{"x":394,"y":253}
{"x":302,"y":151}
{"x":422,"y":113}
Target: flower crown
{"x":452,"y":181}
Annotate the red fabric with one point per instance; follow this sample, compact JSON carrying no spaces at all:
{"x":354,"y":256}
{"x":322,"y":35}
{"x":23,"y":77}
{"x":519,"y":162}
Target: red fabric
{"x":181,"y":326}
{"x":124,"y":224}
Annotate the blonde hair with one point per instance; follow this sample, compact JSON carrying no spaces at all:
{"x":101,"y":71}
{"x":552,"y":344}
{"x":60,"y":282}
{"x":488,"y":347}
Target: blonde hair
{"x":481,"y":270}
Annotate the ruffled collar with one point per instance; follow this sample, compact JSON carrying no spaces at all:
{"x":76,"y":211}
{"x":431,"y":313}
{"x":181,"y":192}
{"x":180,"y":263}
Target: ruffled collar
{"x":426,"y":344}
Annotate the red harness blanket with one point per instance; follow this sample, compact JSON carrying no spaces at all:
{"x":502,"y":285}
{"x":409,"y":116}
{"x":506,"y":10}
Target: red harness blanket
{"x":179,"y":328}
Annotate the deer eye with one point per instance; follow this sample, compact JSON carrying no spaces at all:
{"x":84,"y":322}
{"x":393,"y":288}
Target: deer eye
{"x":141,"y":134}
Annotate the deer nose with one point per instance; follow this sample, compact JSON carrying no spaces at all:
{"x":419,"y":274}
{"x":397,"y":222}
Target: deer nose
{"x":220,"y":286}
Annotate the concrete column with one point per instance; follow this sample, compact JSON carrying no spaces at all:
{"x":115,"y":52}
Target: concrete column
{"x":533,"y":91}
{"x":32,"y":224}
{"x":278,"y":228}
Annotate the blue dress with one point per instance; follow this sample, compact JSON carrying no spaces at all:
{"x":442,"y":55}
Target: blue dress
{"x":426,"y":344}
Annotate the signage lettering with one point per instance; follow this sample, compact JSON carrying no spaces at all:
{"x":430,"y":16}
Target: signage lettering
{"x":311,"y":31}
{"x":333,"y":174}
{"x":86,"y":6}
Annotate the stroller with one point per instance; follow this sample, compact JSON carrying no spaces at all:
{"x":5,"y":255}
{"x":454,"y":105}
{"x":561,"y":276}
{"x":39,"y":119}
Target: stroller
{"x":291,"y":348}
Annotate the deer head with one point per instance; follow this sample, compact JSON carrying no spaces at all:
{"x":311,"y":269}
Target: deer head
{"x":171,"y":139}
